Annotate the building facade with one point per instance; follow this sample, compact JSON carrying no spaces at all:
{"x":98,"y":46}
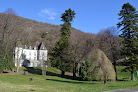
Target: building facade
{"x":32,"y":56}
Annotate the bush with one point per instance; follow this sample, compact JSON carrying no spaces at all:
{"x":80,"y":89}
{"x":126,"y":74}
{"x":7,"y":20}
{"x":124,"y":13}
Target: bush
{"x":101,"y":67}
{"x":83,"y":71}
{"x":97,"y":67}
{"x":1,"y":67}
{"x":8,"y":62}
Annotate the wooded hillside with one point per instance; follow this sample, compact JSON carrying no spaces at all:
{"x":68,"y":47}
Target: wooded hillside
{"x":29,"y":31}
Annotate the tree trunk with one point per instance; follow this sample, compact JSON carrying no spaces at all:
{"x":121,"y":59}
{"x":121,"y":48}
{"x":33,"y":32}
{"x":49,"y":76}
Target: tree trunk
{"x":45,"y":71}
{"x":104,"y":81}
{"x":42,"y":72}
{"x":74,"y":72}
{"x":115,"y":69}
{"x":17,"y":69}
{"x":132,"y":75}
{"x":63,"y":73}
{"x":17,"y":62}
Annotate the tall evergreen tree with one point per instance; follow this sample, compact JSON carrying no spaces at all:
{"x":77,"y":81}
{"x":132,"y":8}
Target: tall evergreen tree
{"x":58,"y":52}
{"x":129,"y":20}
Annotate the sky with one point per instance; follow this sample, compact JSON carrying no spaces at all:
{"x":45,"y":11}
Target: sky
{"x":91,"y":15}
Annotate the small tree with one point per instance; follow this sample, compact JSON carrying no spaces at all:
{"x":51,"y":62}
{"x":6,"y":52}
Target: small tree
{"x":129,"y":29}
{"x":57,"y":54}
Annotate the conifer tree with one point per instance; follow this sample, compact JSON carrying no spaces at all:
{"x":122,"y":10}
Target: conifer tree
{"x":57,"y":53}
{"x":128,"y":26}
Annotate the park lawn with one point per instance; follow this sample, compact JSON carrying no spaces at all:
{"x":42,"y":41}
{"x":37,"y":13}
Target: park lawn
{"x":54,"y":83}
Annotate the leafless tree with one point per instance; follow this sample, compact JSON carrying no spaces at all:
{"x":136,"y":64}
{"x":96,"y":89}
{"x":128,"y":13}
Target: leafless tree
{"x":80,"y":45}
{"x":108,"y":41}
{"x":8,"y":27}
{"x":43,"y":65}
{"x":19,"y":56}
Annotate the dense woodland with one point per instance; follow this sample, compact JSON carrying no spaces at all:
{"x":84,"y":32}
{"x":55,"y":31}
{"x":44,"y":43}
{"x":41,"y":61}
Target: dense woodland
{"x":14,"y":28}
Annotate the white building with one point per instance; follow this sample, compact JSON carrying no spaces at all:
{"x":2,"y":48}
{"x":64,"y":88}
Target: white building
{"x":35,"y":56}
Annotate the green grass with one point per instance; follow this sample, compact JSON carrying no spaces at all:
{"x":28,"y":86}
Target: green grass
{"x":54,"y":83}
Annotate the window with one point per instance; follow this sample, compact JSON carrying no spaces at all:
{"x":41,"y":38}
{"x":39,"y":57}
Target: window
{"x":25,"y":47}
{"x":45,"y":54}
{"x":34,"y":53}
{"x":30,"y":47}
{"x":30,"y":53}
{"x":24,"y":52}
{"x":24,"y":55}
{"x":34,"y":58}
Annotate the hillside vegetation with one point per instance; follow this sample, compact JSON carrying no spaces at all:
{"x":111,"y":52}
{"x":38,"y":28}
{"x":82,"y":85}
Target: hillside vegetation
{"x":29,"y":31}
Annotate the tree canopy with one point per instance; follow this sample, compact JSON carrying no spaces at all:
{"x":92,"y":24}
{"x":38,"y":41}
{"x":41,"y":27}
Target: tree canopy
{"x":129,"y":20}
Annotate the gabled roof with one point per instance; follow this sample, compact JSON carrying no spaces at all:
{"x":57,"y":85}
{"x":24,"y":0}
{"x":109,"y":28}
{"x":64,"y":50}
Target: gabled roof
{"x":41,"y":46}
{"x":36,"y":44}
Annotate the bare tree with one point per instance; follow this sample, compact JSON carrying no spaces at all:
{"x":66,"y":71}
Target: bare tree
{"x":18,"y":53}
{"x":43,"y":64}
{"x":11,"y":31}
{"x":8,"y":26}
{"x":81,"y":44}
{"x":108,"y":41}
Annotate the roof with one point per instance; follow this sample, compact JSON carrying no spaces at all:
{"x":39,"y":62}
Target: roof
{"x":41,"y":46}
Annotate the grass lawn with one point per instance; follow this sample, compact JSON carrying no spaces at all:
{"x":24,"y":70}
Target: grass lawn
{"x":54,"y":83}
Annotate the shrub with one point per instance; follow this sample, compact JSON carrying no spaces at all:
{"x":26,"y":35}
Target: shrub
{"x":97,"y":67}
{"x":101,"y":67}
{"x":83,"y":71}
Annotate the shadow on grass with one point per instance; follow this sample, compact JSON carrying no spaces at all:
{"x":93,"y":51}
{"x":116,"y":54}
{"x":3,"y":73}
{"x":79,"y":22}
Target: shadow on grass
{"x":77,"y":82}
{"x":123,"y":80}
{"x":38,"y":71}
{"x":32,"y":90}
{"x":59,"y":75}
{"x":33,"y":70}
